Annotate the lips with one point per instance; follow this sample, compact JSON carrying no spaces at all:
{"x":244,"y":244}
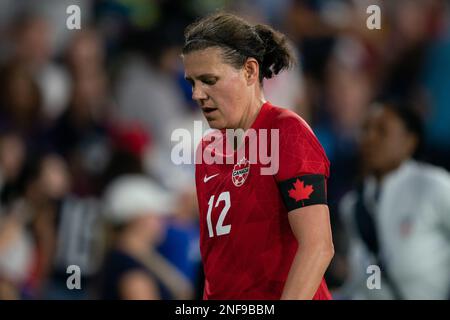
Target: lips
{"x":208,"y":110}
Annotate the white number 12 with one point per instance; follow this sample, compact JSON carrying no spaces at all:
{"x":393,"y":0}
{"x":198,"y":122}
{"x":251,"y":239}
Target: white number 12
{"x":220,"y":228}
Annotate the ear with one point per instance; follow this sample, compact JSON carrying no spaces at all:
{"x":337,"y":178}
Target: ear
{"x":251,"y":71}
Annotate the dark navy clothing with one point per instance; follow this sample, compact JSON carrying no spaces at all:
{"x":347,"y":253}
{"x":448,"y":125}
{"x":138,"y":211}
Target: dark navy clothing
{"x":117,"y":264}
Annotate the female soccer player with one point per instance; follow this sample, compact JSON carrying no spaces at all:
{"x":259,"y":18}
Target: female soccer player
{"x":262,"y":236}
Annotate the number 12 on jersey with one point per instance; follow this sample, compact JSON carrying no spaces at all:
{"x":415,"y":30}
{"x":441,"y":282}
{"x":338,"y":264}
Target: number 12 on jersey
{"x":220,"y":228}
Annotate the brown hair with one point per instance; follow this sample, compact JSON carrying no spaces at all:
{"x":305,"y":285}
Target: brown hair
{"x":240,"y":40}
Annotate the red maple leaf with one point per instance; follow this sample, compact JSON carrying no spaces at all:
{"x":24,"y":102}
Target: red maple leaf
{"x":300,"y":191}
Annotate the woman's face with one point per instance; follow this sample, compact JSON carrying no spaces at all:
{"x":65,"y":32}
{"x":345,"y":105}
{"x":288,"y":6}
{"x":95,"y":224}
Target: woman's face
{"x":220,"y":90}
{"x":150,"y":227}
{"x":385,"y":142}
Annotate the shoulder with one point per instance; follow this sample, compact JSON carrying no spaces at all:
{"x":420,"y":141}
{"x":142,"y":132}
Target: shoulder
{"x":431,"y":185}
{"x":293,"y":129}
{"x":300,"y":152}
{"x":433,"y":177}
{"x":437,"y":181}
{"x":285,"y":119}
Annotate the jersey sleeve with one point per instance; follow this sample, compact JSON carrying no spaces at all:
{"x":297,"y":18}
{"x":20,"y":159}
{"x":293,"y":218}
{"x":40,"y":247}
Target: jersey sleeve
{"x":303,"y":165}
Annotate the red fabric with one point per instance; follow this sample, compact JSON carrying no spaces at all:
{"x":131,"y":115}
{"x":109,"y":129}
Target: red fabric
{"x":252,"y":261}
{"x":131,"y":137}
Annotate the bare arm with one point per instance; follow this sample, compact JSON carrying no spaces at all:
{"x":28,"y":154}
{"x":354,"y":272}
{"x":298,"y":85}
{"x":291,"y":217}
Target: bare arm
{"x":311,"y":227}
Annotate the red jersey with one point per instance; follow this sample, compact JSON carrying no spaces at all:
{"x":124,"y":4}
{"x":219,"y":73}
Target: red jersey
{"x":246,"y":242}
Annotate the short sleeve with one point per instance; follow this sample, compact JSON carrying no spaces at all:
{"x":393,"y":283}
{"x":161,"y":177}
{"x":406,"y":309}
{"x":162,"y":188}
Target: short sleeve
{"x":303,"y":166}
{"x":300,"y":152}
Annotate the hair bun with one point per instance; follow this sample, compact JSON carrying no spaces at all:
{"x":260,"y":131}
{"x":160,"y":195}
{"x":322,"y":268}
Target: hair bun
{"x":277,"y":53}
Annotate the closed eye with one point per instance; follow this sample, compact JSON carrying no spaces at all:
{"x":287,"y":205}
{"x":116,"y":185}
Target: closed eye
{"x":206,"y":79}
{"x":209,"y":81}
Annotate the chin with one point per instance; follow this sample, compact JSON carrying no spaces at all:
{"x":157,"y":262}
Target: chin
{"x":213,"y":124}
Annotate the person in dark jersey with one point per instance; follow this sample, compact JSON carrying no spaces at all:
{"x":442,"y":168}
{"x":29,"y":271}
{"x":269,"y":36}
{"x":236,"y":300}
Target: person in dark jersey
{"x":264,"y":234}
{"x":133,"y":269}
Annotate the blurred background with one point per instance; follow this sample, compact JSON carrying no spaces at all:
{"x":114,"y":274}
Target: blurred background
{"x":86,"y":118}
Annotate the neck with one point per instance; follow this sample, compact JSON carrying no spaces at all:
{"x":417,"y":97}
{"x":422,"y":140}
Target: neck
{"x":252,"y":112}
{"x":381,"y":174}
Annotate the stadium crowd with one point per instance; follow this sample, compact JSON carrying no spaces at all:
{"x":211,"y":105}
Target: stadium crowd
{"x":86,"y":117}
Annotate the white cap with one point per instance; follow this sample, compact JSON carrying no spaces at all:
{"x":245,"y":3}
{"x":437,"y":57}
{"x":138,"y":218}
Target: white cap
{"x":130,"y":196}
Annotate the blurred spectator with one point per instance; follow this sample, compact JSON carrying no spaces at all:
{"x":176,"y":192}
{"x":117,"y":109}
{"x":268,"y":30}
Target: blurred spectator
{"x":81,"y":132}
{"x":55,"y":13}
{"x":16,"y":253}
{"x":15,"y":242}
{"x":33,"y":200}
{"x":32,"y":49}
{"x":133,"y":269}
{"x":63,"y":228}
{"x":181,"y":244}
{"x":405,"y":48}
{"x":129,"y":145}
{"x":107,"y":99}
{"x":347,"y":92}
{"x":85,"y":54}
{"x":79,"y":241}
{"x":12,"y":157}
{"x":147,"y":90}
{"x":399,"y":216}
{"x":81,"y":135}
{"x":149,"y":93}
{"x":21,"y":106}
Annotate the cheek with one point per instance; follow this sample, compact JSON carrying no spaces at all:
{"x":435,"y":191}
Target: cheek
{"x":399,"y":147}
{"x":391,"y":151}
{"x":233,"y":94}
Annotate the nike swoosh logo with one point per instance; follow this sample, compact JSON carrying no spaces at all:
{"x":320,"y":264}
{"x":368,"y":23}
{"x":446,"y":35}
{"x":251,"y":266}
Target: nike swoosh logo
{"x":206,"y":179}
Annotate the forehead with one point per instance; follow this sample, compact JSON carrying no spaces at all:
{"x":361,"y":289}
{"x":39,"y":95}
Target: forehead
{"x":199,"y":62}
{"x":383,"y":116}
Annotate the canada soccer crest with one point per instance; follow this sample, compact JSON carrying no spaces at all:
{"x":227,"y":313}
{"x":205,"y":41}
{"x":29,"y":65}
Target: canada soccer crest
{"x":240,"y":172}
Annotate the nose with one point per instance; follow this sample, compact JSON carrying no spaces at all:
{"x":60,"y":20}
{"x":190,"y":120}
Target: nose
{"x":198,"y":94}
